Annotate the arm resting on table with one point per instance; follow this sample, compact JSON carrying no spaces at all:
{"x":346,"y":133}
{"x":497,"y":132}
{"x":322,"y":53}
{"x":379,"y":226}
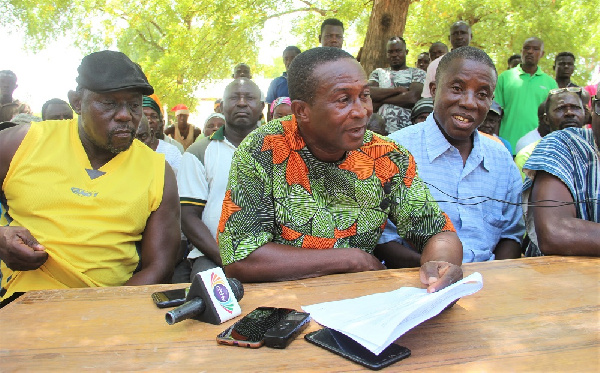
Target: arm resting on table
{"x":160,"y":245}
{"x":197,"y":232}
{"x":277,"y":262}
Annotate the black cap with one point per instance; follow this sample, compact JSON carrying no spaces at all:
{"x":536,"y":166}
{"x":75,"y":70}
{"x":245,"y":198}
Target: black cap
{"x":109,"y":71}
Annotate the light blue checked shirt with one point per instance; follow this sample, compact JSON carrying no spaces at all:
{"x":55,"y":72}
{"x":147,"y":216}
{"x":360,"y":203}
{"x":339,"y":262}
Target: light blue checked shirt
{"x":489,"y":171}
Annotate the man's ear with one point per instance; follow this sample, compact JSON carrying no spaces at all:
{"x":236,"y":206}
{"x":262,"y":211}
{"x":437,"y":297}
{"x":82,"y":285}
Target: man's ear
{"x":319,"y":38}
{"x":75,"y":98}
{"x":432,"y":89}
{"x":407,"y":52}
{"x":301,"y":110}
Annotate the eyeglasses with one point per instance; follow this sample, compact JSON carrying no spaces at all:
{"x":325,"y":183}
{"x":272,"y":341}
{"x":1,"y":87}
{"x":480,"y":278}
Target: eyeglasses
{"x":596,"y":105}
{"x":566,"y":89}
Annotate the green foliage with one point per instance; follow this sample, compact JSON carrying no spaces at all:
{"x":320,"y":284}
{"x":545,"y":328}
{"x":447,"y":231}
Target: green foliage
{"x":501,"y":26}
{"x":182,"y":44}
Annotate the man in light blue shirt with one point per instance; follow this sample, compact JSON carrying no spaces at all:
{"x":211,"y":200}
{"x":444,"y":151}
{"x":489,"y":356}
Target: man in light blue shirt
{"x":471,"y":176}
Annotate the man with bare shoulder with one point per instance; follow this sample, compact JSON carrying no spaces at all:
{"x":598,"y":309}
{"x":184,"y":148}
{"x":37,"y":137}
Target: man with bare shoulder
{"x":87,"y":202}
{"x":563,"y":176}
{"x":309,"y":196}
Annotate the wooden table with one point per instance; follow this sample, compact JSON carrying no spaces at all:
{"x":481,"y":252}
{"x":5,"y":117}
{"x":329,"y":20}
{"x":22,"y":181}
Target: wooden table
{"x":535,"y":314}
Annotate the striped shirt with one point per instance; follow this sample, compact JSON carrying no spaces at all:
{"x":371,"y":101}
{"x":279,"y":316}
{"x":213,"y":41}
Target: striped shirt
{"x":572,"y":156}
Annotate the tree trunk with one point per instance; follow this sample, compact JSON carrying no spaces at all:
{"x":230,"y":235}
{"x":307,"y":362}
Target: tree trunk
{"x":388,"y":18}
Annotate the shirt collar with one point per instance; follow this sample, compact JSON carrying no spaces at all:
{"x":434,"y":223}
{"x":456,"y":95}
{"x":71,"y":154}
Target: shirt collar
{"x":435,"y":141}
{"x":437,"y":144}
{"x":218,"y":134}
{"x":521,"y":71}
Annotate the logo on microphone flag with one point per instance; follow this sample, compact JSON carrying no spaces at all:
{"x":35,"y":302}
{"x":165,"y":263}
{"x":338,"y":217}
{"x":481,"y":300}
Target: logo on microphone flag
{"x":221,"y":293}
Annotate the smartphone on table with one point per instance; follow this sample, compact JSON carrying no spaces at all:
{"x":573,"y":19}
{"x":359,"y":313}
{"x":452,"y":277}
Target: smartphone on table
{"x":342,"y":345}
{"x":170,"y":298}
{"x":250,"y":330}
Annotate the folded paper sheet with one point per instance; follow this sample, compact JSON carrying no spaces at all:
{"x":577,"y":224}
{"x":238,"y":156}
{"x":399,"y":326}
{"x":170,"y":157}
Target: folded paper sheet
{"x":377,"y":320}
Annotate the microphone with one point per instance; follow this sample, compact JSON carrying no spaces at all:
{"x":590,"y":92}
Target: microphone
{"x":211,"y":299}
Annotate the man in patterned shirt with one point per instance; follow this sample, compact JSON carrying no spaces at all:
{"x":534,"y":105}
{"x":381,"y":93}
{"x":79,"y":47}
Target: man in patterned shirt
{"x":396,"y":89}
{"x":309,"y":196}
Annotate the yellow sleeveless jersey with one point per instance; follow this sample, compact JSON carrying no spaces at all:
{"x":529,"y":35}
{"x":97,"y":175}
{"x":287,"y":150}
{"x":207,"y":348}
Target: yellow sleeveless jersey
{"x":88,"y":220}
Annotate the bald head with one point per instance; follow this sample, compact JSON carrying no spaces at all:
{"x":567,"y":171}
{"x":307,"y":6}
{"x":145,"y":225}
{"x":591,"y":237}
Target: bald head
{"x":241,"y":70}
{"x":242,"y":104}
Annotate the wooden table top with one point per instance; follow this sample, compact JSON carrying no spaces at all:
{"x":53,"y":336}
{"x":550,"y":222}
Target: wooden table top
{"x":533,"y":314}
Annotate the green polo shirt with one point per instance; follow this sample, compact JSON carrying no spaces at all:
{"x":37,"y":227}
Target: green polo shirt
{"x":519,"y":94}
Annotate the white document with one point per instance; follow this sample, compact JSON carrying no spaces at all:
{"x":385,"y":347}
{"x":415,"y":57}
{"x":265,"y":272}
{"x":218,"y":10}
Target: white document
{"x":377,"y":320}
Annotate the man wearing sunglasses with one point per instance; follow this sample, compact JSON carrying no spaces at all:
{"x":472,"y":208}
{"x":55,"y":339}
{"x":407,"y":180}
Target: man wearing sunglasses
{"x":564,"y":172}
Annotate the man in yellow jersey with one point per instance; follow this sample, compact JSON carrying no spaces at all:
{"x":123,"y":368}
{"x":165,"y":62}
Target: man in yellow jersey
{"x":86,"y":203}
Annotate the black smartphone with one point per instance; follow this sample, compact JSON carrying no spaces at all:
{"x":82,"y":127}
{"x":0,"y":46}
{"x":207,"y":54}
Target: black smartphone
{"x":169,"y":298}
{"x":345,"y":346}
{"x":250,"y":330}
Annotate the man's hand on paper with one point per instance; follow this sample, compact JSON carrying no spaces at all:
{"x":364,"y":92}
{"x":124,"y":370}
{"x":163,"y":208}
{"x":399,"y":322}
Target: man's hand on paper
{"x":437,"y":275}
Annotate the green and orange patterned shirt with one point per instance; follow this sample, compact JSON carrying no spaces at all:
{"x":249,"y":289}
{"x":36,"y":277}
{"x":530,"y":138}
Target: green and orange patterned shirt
{"x":279,"y":192}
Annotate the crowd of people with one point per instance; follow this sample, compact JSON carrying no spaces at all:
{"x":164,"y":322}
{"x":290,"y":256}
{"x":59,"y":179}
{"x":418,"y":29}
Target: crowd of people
{"x":431,"y":166}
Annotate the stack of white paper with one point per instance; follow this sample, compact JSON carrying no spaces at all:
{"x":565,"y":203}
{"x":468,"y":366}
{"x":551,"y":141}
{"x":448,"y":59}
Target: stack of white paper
{"x":377,"y":320}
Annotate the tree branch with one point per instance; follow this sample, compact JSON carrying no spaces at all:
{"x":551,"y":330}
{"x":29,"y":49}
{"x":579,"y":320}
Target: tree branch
{"x":322,"y":12}
{"x":157,"y":27}
{"x":150,"y":42}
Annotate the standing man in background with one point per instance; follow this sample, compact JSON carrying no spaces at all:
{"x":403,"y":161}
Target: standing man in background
{"x":9,"y":107}
{"x":279,"y":86}
{"x":184,"y":132}
{"x":520,"y":91}
{"x":396,"y":89}
{"x":564,"y":66}
{"x":460,"y":36}
{"x":332,"y":33}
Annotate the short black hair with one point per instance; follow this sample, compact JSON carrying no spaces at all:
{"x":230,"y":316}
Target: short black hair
{"x":460,"y":23}
{"x":9,"y":73}
{"x":292,"y":48}
{"x":465,"y":53}
{"x":438,"y":43}
{"x":302,"y":85}
{"x":564,"y":54}
{"x":51,"y":102}
{"x":513,"y":57}
{"x":397,"y":38}
{"x":331,"y":22}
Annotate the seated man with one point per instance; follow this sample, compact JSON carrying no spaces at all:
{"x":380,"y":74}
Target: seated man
{"x":491,"y":125}
{"x":565,"y":167}
{"x":421,"y":111}
{"x":152,"y":112}
{"x":146,"y":135}
{"x":83,"y":196}
{"x":309,"y":196}
{"x":562,"y":109}
{"x":458,"y":163}
{"x":56,"y":109}
{"x":204,"y":173}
